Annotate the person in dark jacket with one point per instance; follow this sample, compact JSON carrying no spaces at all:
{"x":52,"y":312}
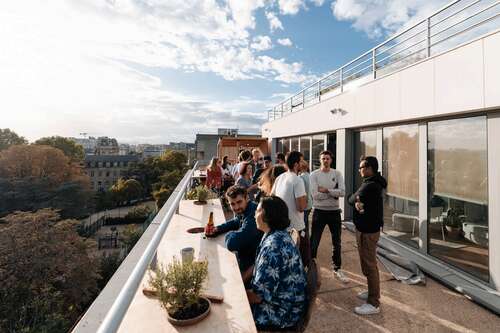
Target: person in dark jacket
{"x":242,"y":236}
{"x":369,"y":220}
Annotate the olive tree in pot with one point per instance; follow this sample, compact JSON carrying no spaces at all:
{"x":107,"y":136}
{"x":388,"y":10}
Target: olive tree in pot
{"x":179,"y":289}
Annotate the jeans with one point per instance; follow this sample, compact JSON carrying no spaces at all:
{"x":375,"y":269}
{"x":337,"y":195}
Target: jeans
{"x":322,"y":218}
{"x":367,"y":248}
{"x":306,"y":220}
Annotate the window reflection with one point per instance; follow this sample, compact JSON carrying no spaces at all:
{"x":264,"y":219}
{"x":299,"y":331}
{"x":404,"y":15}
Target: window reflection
{"x":365,"y":144}
{"x":458,"y":193}
{"x":318,"y":145}
{"x":400,"y":168}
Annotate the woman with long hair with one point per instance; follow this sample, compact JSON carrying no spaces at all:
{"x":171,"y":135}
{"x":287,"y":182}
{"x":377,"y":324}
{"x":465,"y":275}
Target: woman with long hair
{"x":214,"y":175}
{"x":266,"y":181}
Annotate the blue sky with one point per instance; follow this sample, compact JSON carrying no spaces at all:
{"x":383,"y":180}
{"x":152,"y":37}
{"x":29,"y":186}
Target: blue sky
{"x":158,"y":71}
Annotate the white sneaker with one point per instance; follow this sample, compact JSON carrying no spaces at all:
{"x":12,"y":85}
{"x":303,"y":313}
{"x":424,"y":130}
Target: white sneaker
{"x":340,"y":275}
{"x":366,"y":309}
{"x":363,"y":295}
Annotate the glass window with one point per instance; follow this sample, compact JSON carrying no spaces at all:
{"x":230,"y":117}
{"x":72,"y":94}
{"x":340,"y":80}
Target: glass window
{"x":365,"y":144}
{"x":279,"y":145}
{"x":294,"y":144}
{"x":400,"y":168}
{"x":331,"y":145}
{"x":286,"y":145}
{"x":318,"y":145}
{"x":457,"y":177}
{"x":305,"y":147}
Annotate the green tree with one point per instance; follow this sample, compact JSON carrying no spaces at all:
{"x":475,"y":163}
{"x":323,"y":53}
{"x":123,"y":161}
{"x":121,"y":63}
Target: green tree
{"x":126,"y":190}
{"x":34,"y":177}
{"x":48,"y":277}
{"x":71,"y":149}
{"x":161,"y":196}
{"x":9,"y":138}
{"x":131,"y":235}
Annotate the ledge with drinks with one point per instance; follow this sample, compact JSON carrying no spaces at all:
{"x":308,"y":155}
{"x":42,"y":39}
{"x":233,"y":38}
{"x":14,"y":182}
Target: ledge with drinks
{"x":185,"y":253}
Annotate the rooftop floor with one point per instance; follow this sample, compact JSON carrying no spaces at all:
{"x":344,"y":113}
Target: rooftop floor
{"x":405,"y":308}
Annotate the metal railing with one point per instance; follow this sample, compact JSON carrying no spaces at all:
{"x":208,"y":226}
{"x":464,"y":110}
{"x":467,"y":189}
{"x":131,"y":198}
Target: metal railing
{"x":454,"y":24}
{"x":108,"y":309}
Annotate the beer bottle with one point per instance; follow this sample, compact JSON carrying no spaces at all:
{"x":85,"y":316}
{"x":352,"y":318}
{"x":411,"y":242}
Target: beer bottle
{"x":209,"y":228}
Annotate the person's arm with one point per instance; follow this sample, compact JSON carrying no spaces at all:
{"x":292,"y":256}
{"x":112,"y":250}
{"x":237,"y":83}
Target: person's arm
{"x":232,"y":224}
{"x":301,"y":203}
{"x":315,"y":193}
{"x":299,"y":192}
{"x":267,"y":275}
{"x":340,"y":190}
{"x":253,"y":298}
{"x":246,"y":276}
{"x":244,"y":237}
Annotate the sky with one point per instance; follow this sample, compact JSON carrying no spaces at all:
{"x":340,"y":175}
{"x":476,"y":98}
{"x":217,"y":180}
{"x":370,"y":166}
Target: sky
{"x":159,"y":71}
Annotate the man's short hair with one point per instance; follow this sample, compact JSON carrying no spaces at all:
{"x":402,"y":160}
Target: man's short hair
{"x":292,"y":158}
{"x":268,"y":158}
{"x":275,"y":212}
{"x":326,"y":152}
{"x":236,"y":190}
{"x":280,"y":156}
{"x":370,"y":161}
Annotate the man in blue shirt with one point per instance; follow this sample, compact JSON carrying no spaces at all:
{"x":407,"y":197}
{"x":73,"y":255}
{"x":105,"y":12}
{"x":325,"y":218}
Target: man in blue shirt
{"x":242,"y":236}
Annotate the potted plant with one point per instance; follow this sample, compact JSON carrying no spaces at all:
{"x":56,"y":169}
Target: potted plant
{"x":453,"y":223}
{"x":179,"y":289}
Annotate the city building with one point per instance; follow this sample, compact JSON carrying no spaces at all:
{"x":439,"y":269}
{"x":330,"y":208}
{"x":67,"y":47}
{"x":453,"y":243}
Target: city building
{"x":105,"y":170}
{"x":207,"y":144}
{"x":124,"y":149}
{"x":430,"y":112}
{"x":89,"y":144}
{"x":107,"y":146}
{"x":230,"y":146}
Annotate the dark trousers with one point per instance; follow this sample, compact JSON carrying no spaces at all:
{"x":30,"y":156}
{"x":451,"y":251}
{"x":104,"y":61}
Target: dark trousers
{"x":306,"y":220}
{"x":322,"y":218}
{"x":367,"y":248}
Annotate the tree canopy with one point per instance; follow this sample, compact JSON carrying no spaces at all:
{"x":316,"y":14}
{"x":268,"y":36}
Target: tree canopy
{"x":48,"y":277}
{"x":34,"y":177}
{"x":71,"y":149}
{"x":9,"y":138}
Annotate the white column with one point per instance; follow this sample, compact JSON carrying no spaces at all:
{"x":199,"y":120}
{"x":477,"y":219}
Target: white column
{"x":380,"y":148}
{"x":494,"y":198}
{"x":422,"y":187}
{"x":344,"y":164}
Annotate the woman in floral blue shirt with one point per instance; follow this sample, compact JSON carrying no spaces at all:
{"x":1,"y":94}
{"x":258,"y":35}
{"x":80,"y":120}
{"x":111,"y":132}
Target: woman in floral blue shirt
{"x":278,"y":287}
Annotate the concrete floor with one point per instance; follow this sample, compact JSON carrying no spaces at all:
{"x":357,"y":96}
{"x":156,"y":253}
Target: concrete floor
{"x":404,"y":308}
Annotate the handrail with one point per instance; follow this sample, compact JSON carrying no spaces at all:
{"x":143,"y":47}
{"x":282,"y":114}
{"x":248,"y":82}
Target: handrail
{"x":344,"y":73}
{"x":114,"y":316}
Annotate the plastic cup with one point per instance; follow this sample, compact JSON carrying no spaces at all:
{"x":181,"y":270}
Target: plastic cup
{"x":187,"y":255}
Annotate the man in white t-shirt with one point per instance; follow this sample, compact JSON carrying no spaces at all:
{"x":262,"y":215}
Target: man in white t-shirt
{"x":289,"y":187}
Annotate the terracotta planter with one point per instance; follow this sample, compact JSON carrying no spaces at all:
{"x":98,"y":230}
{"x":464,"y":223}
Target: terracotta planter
{"x":190,"y":321}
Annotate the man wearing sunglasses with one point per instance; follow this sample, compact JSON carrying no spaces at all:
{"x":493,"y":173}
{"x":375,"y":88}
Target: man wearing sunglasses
{"x":368,"y":219}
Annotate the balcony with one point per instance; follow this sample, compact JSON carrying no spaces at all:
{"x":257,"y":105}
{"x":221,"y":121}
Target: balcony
{"x":457,"y":23}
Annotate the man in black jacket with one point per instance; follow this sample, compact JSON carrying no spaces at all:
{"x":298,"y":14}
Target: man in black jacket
{"x":369,"y":219}
{"x":242,"y":236}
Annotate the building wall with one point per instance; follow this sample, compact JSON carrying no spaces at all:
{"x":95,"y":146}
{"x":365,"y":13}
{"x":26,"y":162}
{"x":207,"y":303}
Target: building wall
{"x":459,"y":83}
{"x":461,"y":80}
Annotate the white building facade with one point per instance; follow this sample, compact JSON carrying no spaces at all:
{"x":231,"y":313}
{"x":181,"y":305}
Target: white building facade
{"x":430,"y":112}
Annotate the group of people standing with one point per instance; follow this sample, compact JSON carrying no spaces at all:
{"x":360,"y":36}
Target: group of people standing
{"x":269,"y":201}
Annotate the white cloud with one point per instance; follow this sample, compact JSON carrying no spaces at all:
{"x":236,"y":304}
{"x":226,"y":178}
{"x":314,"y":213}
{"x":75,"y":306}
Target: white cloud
{"x":261,"y":43}
{"x":92,"y":66}
{"x":378,"y":18}
{"x":274,"y":21}
{"x":291,"y":7}
{"x":318,"y":3}
{"x":285,"y":42}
